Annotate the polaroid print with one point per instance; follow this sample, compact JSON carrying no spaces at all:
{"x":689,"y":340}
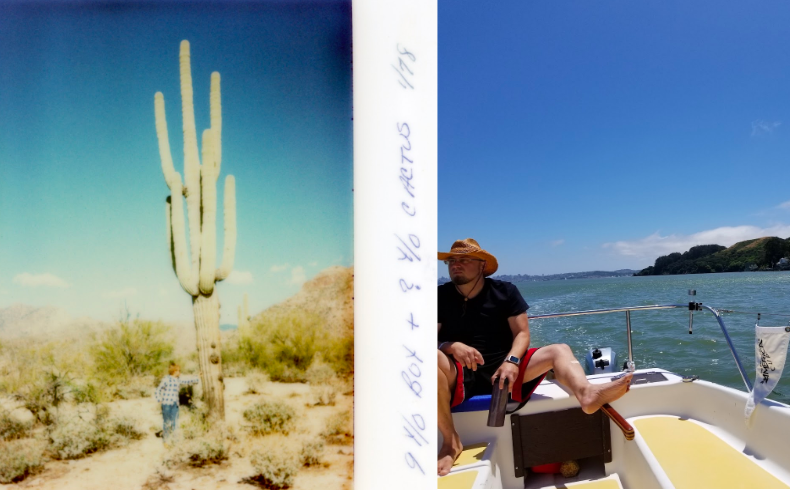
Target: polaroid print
{"x":176,"y":227}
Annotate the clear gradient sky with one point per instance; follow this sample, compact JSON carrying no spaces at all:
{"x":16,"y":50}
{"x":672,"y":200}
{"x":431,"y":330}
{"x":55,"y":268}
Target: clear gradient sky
{"x":577,"y":135}
{"x":82,"y":196}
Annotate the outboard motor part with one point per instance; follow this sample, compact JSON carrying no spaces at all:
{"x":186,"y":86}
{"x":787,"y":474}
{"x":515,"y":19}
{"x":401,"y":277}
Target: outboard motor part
{"x":601,"y":360}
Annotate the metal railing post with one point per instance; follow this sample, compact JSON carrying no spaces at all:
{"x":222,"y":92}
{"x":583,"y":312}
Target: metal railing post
{"x":628,"y":311}
{"x":631,"y":365}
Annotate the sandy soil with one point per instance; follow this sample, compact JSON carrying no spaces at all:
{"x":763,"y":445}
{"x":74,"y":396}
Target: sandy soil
{"x":139,"y":465}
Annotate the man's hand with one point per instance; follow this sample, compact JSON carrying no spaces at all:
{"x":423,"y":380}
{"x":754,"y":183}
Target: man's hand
{"x":508,"y":371}
{"x":467,"y":356}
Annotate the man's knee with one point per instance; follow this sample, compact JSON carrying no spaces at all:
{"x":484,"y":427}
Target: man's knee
{"x":444,"y":363}
{"x":446,"y":368}
{"x":560,"y":350}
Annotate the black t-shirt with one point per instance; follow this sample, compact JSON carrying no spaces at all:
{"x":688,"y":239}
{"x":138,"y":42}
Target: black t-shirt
{"x":484,"y":326}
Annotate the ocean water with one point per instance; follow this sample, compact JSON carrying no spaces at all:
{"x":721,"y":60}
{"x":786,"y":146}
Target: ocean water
{"x":660,"y":338}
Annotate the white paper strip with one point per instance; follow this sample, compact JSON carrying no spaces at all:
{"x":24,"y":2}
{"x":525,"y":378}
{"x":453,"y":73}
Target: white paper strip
{"x":395,"y":244}
{"x":770,"y":350}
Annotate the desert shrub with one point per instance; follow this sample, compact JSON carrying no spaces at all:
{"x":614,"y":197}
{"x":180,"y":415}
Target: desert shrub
{"x":234,"y":362}
{"x":159,"y":480}
{"x":77,"y":435}
{"x":283,"y":344}
{"x":45,"y":393}
{"x":87,"y":392}
{"x":320,"y":372}
{"x":325,"y":396}
{"x":20,"y":459}
{"x":125,"y":429}
{"x":198,"y":443}
{"x":26,"y":363}
{"x":339,"y":353}
{"x":132,"y":348}
{"x":74,"y":438}
{"x":134,"y":387}
{"x":256,"y":380}
{"x":268,"y":417}
{"x":276,"y":467}
{"x":311,"y":452}
{"x":12,"y":428}
{"x":194,"y":421}
{"x":209,"y":448}
{"x":43,"y":376}
{"x":339,"y":429}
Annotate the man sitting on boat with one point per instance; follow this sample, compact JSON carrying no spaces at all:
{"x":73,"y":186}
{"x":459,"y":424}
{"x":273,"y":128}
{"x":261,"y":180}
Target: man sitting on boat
{"x":484,"y":335}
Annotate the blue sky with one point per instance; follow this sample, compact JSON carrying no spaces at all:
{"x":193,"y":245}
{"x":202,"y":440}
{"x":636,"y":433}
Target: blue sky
{"x":82,"y":196}
{"x":579,"y":135}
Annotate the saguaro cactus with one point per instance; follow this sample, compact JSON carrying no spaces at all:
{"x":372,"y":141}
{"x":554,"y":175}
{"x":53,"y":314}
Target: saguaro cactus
{"x":198,"y":275}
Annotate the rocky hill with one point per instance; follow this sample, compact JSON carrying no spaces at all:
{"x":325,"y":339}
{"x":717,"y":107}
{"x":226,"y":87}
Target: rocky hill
{"x":749,"y":255}
{"x":330,"y":295}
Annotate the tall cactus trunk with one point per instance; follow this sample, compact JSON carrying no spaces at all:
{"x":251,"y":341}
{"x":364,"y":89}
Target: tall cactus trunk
{"x":206,"y":310}
{"x":199,"y":275}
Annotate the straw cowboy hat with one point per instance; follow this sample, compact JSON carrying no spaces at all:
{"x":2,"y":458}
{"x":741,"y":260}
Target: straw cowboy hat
{"x":470,"y":248}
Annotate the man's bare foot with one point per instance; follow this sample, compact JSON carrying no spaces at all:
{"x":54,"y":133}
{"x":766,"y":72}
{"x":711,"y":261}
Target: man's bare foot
{"x":449,"y":453}
{"x":596,"y":395}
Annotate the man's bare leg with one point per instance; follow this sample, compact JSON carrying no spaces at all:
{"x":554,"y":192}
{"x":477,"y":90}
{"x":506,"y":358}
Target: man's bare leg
{"x":569,"y":372}
{"x":452,"y":446}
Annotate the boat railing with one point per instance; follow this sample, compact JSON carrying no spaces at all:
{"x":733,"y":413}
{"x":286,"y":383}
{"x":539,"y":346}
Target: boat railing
{"x":691,"y":307}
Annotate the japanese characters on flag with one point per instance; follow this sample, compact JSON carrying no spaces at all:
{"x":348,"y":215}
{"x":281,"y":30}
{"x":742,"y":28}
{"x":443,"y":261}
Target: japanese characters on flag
{"x":770,"y":349}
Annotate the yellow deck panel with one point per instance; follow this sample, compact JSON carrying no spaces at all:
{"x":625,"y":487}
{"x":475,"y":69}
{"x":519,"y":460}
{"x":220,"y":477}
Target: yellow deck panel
{"x":694,"y":457}
{"x":471,"y":454}
{"x":602,"y":483}
{"x":464,"y":479}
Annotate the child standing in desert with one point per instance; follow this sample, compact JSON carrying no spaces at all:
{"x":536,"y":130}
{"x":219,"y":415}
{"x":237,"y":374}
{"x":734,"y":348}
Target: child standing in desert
{"x":167,"y":395}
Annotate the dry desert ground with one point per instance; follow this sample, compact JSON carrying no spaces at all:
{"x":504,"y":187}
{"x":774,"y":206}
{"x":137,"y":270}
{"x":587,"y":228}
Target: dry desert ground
{"x":139,"y":465}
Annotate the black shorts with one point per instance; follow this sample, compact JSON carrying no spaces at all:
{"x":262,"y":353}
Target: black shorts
{"x":470,"y":383}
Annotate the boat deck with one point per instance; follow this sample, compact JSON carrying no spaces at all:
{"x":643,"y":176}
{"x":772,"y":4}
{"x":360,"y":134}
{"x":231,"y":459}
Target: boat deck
{"x":687,"y":435}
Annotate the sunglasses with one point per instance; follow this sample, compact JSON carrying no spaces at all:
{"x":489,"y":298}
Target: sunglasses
{"x":464,"y":261}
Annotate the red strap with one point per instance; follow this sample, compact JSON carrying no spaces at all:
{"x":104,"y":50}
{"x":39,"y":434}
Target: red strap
{"x":458,"y":395}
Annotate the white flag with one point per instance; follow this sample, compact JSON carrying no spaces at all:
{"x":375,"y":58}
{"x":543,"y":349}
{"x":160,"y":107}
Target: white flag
{"x":770,"y":350}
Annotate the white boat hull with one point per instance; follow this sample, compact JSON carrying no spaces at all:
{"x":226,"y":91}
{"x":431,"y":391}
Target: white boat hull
{"x":764,"y":441}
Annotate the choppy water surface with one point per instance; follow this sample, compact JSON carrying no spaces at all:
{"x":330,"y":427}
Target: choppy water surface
{"x":660,"y":338}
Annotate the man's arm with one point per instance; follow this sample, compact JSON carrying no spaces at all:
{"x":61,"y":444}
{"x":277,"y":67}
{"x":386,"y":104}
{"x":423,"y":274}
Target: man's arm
{"x":519,"y":325}
{"x":468,"y":356}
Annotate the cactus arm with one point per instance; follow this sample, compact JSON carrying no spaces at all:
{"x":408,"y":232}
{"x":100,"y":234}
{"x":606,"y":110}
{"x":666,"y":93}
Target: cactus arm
{"x":229,"y":252}
{"x":191,"y":159}
{"x":177,"y":235}
{"x":216,"y":120}
{"x":208,"y":247}
{"x":241,"y":320}
{"x":164,"y":141}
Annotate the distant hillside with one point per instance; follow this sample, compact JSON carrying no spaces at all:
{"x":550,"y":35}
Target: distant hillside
{"x":18,"y":320}
{"x":553,"y":277}
{"x":330,"y":295}
{"x":749,"y":255}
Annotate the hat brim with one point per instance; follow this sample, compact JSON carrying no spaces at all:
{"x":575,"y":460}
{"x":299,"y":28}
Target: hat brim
{"x":491,"y":263}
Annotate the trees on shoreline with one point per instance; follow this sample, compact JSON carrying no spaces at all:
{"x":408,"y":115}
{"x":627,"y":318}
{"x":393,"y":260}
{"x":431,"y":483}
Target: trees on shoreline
{"x":757,"y":254}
